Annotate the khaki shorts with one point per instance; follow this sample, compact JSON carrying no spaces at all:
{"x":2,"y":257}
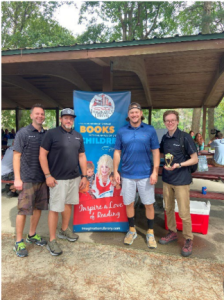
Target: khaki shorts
{"x":145,"y":189}
{"x":33,"y":196}
{"x":65,"y":192}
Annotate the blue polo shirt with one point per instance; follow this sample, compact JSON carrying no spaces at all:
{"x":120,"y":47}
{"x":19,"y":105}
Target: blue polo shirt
{"x":136,"y":145}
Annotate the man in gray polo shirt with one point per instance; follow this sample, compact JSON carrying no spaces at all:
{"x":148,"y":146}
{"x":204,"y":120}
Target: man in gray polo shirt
{"x":29,"y":180}
{"x":61,"y":153}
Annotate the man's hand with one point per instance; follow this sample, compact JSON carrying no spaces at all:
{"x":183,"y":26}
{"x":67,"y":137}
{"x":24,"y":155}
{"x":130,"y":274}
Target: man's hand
{"x":117,"y":177}
{"x":83,"y":183}
{"x":18,"y":184}
{"x":51,"y":181}
{"x":153,"y":178}
{"x":174,"y":166}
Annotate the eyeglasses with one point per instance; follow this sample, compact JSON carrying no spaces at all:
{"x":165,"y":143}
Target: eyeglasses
{"x":170,"y":121}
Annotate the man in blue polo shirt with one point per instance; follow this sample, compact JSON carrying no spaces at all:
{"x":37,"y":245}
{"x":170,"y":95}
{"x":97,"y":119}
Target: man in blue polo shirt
{"x":134,"y":143}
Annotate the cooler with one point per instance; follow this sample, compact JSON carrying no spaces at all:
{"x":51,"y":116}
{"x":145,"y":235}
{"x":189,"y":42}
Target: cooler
{"x":199,"y":216}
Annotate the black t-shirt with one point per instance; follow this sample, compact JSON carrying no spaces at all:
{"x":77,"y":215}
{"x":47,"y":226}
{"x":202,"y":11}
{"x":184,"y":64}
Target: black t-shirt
{"x":64,"y":148}
{"x":171,"y":144}
{"x":27,"y":142}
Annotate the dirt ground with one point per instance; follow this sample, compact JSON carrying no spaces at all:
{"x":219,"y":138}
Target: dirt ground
{"x":102,"y":272}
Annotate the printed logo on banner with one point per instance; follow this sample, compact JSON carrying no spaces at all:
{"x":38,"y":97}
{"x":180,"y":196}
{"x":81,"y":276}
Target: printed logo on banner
{"x":102,"y":106}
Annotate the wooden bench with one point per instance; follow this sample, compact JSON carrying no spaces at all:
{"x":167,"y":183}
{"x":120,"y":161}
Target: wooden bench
{"x":197,"y":194}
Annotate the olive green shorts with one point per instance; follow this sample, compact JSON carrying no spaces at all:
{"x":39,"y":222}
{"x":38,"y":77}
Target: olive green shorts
{"x":33,"y":196}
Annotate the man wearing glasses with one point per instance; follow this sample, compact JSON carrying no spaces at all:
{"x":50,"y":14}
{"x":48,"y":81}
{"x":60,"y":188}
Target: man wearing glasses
{"x":177,"y":180}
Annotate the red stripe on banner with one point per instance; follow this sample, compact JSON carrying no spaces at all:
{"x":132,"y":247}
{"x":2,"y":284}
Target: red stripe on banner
{"x":110,"y":209}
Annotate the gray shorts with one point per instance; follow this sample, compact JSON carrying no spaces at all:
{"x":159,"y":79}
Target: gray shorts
{"x":145,"y":189}
{"x":65,"y":192}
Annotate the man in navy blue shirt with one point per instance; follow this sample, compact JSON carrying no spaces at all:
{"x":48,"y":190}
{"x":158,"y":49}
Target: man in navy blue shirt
{"x":177,"y":180}
{"x":134,"y":143}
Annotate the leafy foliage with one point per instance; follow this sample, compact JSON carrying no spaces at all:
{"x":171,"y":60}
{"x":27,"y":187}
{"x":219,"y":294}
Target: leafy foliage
{"x":30,"y":24}
{"x":130,"y":20}
{"x":9,"y":119}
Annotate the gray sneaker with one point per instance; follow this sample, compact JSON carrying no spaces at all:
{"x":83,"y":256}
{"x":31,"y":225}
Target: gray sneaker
{"x":54,"y":248}
{"x":20,"y":249}
{"x":68,"y":235}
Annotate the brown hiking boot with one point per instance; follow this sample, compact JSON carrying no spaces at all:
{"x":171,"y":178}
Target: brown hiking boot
{"x":187,"y":248}
{"x":170,"y":237}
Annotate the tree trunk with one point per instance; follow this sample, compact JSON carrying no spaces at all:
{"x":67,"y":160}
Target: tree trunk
{"x":210,"y":122}
{"x":197,"y":111}
{"x":196,"y":118}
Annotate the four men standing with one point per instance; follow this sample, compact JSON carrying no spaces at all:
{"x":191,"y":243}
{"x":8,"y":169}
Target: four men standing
{"x":62,"y":152}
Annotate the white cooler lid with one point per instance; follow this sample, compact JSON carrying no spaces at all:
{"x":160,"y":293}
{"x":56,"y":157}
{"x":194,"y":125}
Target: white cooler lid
{"x":196,"y":207}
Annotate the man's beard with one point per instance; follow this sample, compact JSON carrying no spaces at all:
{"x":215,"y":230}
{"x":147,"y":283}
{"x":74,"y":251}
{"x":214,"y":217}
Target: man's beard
{"x":67,"y":126}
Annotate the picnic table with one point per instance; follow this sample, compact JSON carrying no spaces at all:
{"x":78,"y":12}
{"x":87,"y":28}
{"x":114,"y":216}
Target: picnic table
{"x":206,"y":153}
{"x":213,"y":173}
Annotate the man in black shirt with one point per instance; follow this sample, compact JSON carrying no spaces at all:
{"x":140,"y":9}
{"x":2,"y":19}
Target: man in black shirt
{"x":177,"y":180}
{"x":61,"y":153}
{"x":29,"y":179}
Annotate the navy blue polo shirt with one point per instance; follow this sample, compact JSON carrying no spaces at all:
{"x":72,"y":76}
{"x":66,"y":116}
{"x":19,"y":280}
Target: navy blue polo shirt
{"x":136,"y":145}
{"x":171,"y":144}
{"x":27,"y":142}
{"x":64,"y":148}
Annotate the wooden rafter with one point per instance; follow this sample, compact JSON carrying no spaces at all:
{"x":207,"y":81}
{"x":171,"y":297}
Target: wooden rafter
{"x":137,"y":66}
{"x":58,"y":69}
{"x":100,"y":62}
{"x":217,"y":80}
{"x":25,"y":85}
{"x":9,"y":101}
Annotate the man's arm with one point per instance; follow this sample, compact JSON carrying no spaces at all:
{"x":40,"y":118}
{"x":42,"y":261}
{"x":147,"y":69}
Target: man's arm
{"x":83,"y":166}
{"x":16,"y":167}
{"x":116,"y":162}
{"x":156,"y":162}
{"x":50,"y":181}
{"x":211,"y":141}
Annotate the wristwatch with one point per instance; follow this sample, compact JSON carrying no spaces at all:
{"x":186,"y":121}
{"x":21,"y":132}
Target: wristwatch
{"x":180,"y":165}
{"x":83,"y":176}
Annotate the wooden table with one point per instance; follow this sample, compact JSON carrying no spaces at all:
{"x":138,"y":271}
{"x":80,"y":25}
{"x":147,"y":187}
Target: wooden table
{"x":206,"y":153}
{"x":213,"y":173}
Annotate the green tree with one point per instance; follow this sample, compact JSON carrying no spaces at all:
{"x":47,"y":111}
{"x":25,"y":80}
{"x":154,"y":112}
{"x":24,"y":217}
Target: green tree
{"x":30,"y":24}
{"x":128,"y":20}
{"x":9,"y":119}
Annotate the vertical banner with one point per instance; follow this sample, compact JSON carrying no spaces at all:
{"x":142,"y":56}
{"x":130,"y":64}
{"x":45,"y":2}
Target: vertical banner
{"x":99,"y":116}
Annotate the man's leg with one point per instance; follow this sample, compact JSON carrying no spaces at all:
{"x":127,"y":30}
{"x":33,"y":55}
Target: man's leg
{"x":168,"y":194}
{"x":20,"y":223}
{"x":34,"y":219}
{"x":66,"y":215}
{"x":183,"y":200}
{"x":52,"y":224}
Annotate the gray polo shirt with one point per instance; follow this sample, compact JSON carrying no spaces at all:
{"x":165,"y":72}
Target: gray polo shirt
{"x":27,"y":142}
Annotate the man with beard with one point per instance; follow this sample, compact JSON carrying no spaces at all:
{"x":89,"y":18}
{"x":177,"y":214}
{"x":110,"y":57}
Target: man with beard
{"x":61,"y":153}
{"x":134,"y":144}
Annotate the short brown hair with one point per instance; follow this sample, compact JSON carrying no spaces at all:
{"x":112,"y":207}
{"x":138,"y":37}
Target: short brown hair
{"x":169,"y":112}
{"x":90,"y":165}
{"x":36,"y":105}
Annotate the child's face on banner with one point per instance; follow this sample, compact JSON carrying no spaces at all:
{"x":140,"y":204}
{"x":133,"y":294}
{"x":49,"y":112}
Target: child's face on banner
{"x":90,"y":172}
